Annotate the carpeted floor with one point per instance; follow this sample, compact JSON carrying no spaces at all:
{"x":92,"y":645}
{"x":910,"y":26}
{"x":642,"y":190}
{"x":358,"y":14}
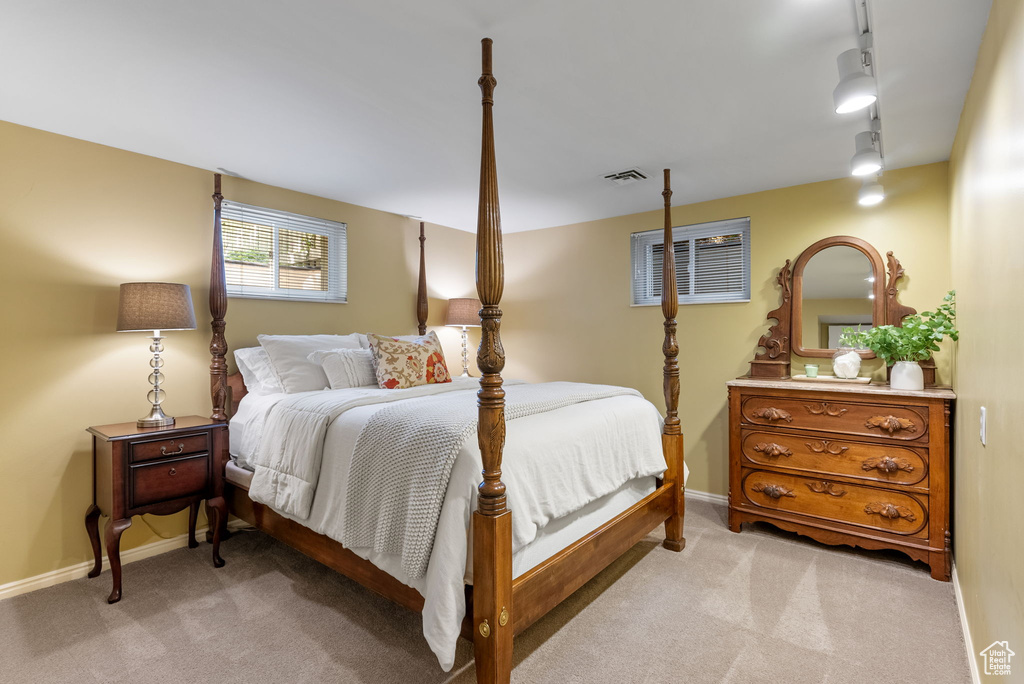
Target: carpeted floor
{"x":761,"y":606}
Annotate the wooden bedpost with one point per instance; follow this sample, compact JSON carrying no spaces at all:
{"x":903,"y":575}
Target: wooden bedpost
{"x":492,"y":521}
{"x":421,"y":290}
{"x":672,"y":436}
{"x":218,"y":309}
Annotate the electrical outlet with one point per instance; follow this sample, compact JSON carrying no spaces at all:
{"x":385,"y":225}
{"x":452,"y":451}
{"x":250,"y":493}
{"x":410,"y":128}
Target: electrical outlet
{"x":983,"y":426}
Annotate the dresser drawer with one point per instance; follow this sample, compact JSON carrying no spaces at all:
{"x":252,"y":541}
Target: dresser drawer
{"x":182,"y":445}
{"x":168,"y":479}
{"x":847,"y":417}
{"x":878,"y":509}
{"x":835,"y":455}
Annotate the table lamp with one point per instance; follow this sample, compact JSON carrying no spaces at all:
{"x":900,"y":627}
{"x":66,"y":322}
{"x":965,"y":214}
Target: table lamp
{"x":464,"y":313}
{"x":155,"y":307}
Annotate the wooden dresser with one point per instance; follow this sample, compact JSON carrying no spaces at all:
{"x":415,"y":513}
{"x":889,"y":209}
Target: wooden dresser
{"x":863,"y":465}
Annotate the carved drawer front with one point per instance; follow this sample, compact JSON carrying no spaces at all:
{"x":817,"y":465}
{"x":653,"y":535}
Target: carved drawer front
{"x":879,"y":509}
{"x":836,"y":455}
{"x":167,"y":480}
{"x":169,"y":448}
{"x":891,"y":422}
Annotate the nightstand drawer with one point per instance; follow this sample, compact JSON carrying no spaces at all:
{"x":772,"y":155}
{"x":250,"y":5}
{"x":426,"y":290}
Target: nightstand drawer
{"x":181,"y":445}
{"x":168,"y":479}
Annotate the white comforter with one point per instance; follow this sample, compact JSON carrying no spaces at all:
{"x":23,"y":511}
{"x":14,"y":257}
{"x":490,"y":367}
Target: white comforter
{"x":550,"y":472}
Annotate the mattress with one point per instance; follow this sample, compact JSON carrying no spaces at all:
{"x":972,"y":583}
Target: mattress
{"x":559,"y":490}
{"x":553,"y":537}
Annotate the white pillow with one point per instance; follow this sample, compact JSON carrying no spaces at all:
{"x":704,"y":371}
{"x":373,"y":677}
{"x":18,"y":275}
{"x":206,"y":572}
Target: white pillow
{"x":347,"y":368}
{"x":289,"y":355}
{"x":257,"y":373}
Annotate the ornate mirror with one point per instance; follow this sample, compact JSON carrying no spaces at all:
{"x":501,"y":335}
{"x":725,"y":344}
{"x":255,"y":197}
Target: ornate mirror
{"x":838,"y":283}
{"x":835,"y":283}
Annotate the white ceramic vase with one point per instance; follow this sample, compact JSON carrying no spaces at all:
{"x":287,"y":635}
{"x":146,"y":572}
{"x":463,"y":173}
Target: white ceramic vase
{"x":907,"y":375}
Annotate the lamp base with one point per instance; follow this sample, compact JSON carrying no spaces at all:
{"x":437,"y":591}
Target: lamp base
{"x":465,"y":355}
{"x":156,"y":418}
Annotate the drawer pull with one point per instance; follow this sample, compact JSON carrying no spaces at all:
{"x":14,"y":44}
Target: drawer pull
{"x":774,"y":491}
{"x":891,"y":424}
{"x":826,"y":447}
{"x":165,"y":452}
{"x":890,"y":511}
{"x":172,"y":471}
{"x":772,"y":449}
{"x":824,"y":487}
{"x":772,"y":413}
{"x":888,"y":464}
{"x":824,"y":408}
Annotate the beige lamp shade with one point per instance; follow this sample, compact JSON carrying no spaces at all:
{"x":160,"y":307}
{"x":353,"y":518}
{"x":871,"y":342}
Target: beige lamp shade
{"x":155,"y":306}
{"x":463,"y":312}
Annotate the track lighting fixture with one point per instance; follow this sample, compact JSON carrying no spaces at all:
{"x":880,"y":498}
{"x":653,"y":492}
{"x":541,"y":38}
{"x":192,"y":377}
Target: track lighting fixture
{"x":867,"y":159}
{"x":856,"y":89}
{"x":871,"y":192}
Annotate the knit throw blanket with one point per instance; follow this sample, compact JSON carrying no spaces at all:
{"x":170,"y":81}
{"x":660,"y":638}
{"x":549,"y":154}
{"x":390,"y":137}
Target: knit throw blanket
{"x":404,"y":456}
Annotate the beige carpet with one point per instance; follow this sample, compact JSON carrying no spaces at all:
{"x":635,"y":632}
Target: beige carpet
{"x":753,"y":607}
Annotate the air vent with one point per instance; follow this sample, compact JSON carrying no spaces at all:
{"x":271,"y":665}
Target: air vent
{"x":626,"y":177}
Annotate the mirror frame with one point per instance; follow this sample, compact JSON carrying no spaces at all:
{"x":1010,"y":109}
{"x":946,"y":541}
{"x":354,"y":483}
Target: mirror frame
{"x":878,"y":287}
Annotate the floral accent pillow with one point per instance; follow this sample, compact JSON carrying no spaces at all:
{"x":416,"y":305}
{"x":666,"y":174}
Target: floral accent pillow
{"x":401,"y":363}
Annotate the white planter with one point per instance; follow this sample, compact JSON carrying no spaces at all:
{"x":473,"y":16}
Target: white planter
{"x":907,"y":375}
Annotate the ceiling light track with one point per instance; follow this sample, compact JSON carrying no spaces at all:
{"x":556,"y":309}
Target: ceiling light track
{"x":857,"y":90}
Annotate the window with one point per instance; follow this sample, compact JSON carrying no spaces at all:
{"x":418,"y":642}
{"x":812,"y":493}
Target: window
{"x":272,"y":254}
{"x":712,"y":263}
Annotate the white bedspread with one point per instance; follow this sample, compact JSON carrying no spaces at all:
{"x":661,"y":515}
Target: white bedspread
{"x":550,"y":472}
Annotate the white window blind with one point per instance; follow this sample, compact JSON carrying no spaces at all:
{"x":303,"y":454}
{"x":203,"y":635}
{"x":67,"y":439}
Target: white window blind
{"x":273,"y":254}
{"x":712,"y":263}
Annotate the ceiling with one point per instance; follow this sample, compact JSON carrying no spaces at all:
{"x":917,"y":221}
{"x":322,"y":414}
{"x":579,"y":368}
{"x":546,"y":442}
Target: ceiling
{"x":376,"y":103}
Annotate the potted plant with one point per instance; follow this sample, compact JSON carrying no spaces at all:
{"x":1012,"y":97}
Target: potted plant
{"x":918,"y":337}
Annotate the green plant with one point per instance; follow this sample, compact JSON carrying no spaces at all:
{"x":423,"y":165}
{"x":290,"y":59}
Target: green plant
{"x":249,"y":256}
{"x":851,"y":338}
{"x":918,"y":337}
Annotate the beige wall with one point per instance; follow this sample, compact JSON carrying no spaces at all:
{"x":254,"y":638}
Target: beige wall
{"x":814,"y":333}
{"x":77,"y":219}
{"x":567,"y":312}
{"x":987,"y":247}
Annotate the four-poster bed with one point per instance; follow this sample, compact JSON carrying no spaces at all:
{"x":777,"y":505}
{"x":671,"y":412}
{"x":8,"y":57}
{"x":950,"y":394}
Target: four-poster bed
{"x":498,"y":605}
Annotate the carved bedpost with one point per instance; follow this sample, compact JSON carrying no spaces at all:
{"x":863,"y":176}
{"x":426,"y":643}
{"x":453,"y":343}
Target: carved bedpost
{"x":492,"y":521}
{"x":672,"y":437}
{"x":421,"y":290}
{"x":218,"y":309}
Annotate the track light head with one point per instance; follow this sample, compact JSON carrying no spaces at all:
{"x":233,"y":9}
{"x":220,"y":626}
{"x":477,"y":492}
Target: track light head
{"x":871,"y":192}
{"x":866,"y":160}
{"x":856,"y":89}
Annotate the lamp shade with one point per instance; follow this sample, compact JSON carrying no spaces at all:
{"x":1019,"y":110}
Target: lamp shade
{"x":463,"y":312}
{"x":155,"y":306}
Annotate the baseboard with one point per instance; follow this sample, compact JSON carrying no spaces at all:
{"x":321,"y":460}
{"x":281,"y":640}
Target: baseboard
{"x":968,"y":641}
{"x":80,"y":570}
{"x":717,"y":499}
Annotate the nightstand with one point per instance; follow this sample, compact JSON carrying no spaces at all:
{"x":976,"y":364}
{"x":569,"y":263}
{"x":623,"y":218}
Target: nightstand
{"x":155,"y":470}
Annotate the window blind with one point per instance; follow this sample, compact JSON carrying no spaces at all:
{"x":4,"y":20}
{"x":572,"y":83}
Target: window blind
{"x":273,"y":254}
{"x":712,"y":263}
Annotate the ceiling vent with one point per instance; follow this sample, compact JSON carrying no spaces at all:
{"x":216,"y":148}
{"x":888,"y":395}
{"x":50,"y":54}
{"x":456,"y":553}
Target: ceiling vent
{"x":626,"y":177}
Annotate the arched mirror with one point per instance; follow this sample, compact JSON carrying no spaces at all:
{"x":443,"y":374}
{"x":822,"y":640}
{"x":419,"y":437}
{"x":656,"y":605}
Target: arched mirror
{"x":838,"y":283}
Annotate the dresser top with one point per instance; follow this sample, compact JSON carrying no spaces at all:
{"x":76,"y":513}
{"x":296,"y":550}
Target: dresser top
{"x":851,"y":388}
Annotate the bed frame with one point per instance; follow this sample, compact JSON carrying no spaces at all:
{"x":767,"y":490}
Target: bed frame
{"x":498,"y":606}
